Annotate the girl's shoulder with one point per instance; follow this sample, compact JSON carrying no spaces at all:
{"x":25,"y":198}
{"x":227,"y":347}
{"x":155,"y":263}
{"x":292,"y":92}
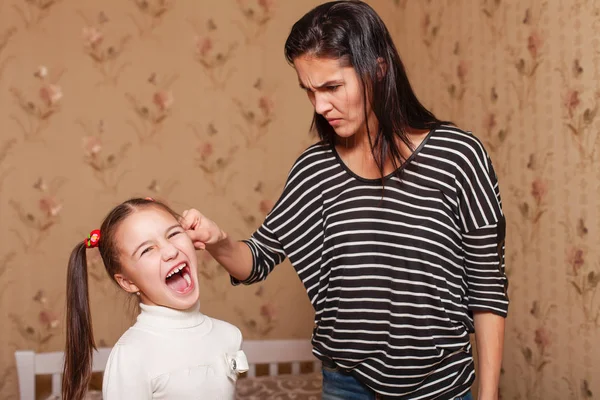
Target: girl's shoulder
{"x":226,"y":329}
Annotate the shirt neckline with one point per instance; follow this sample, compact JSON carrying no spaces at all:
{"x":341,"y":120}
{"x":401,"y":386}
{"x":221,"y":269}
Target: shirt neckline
{"x":391,"y":174}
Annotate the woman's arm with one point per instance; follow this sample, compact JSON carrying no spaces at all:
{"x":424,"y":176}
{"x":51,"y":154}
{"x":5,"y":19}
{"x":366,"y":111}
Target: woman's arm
{"x":489,"y":337}
{"x":234,"y":256}
{"x":483,"y":238}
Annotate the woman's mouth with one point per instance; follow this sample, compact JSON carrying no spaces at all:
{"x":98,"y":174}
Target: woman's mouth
{"x":334,"y":121}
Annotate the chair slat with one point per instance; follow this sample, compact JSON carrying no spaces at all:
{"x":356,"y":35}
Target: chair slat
{"x":317,"y":366}
{"x":56,"y":384}
{"x":273,"y":369}
{"x":295,"y":368}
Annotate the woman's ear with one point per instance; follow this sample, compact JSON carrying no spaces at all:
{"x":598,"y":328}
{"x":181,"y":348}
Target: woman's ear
{"x":381,"y":68}
{"x":126,"y":284}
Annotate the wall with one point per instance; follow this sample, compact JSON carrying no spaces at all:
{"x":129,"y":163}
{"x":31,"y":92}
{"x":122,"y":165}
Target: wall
{"x":524,"y":77}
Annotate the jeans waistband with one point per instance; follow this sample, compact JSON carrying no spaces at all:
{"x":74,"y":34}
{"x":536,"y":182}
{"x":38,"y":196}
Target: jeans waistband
{"x":328,"y":363}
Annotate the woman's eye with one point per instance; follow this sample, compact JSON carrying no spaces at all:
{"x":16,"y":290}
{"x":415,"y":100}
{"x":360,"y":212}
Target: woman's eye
{"x":332,"y":88}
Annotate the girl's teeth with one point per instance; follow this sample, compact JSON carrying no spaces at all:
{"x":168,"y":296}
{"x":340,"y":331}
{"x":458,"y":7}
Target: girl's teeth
{"x":187,"y":278}
{"x":176,"y":270}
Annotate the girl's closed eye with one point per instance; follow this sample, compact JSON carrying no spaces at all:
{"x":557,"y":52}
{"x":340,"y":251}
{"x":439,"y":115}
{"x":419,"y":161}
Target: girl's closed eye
{"x":174,"y":234}
{"x":147,"y":249}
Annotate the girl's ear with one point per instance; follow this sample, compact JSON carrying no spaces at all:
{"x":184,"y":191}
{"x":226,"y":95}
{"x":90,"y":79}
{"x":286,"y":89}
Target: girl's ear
{"x":126,"y":284}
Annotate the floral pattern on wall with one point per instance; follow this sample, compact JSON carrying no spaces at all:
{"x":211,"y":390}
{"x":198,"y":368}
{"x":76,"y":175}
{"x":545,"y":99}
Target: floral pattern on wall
{"x":523,"y":76}
{"x":37,"y":111}
{"x":104,"y":165}
{"x":213,"y":55}
{"x":106,"y":55}
{"x":139,"y":101}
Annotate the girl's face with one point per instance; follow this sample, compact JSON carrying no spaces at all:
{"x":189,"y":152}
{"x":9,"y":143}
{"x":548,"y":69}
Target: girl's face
{"x":158,"y":259}
{"x":335,"y":92}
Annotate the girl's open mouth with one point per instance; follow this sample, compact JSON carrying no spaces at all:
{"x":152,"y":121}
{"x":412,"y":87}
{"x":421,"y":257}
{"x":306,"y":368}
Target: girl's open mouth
{"x":179,"y":279}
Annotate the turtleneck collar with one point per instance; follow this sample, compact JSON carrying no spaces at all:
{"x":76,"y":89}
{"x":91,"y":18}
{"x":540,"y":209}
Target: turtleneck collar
{"x":169,"y":318}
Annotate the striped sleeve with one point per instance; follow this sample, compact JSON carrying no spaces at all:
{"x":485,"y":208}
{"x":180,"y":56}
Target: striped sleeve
{"x":294,"y":225}
{"x":267,"y":252}
{"x":483,"y":232}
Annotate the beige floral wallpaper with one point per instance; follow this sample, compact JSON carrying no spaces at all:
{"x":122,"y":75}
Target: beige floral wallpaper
{"x":192,"y":102}
{"x":525,"y":77}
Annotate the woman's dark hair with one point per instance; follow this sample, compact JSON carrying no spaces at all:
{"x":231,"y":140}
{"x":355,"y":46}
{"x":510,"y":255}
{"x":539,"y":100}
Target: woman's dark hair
{"x":77,"y":370}
{"x":352,"y":32}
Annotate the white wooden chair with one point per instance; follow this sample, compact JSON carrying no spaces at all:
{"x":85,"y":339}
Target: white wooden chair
{"x":30,"y":364}
{"x":276,"y":352}
{"x":270,"y":352}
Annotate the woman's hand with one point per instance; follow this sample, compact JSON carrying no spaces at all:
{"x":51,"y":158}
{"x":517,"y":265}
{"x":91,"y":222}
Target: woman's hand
{"x":234,"y":256}
{"x":200,"y":229}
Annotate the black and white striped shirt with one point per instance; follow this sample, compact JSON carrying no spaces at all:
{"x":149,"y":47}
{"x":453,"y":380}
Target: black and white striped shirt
{"x":394,"y":271}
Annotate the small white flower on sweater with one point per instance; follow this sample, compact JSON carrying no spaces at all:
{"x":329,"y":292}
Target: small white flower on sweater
{"x":237,"y":362}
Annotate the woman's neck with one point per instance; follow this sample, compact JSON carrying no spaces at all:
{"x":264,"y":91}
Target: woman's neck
{"x":357,"y":154}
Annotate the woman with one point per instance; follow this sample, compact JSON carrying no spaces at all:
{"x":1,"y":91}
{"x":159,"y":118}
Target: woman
{"x":393,"y":222}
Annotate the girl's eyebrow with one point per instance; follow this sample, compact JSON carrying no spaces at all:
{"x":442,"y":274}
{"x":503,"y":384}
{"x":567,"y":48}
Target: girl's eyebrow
{"x":140,"y":246}
{"x":173,"y":227}
{"x":148,"y":241}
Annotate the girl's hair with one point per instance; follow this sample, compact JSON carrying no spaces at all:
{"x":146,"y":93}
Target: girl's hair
{"x":80,"y":344}
{"x":352,"y":32}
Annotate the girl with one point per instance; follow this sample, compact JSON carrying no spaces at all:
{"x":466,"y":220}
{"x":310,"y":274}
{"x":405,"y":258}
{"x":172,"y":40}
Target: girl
{"x":393,"y":222}
{"x":173,"y":351}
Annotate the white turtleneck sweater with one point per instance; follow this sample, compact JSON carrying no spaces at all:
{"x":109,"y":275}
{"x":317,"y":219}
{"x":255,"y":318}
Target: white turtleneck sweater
{"x":173,"y":354}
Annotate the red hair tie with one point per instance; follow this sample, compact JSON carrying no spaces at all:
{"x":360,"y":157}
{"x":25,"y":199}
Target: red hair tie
{"x":93,"y":239}
{"x":149,"y":198}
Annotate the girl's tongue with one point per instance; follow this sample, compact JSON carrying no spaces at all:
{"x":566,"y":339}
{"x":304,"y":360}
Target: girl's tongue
{"x":180,"y":281}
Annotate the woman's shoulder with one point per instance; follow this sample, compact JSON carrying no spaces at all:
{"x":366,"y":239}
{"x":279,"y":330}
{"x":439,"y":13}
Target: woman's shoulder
{"x":313,"y":155}
{"x":315,"y":151}
{"x":451,"y":133}
{"x":458,"y":144}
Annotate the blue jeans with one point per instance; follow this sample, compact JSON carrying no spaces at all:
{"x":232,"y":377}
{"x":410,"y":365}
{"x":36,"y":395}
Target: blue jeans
{"x":339,"y":385}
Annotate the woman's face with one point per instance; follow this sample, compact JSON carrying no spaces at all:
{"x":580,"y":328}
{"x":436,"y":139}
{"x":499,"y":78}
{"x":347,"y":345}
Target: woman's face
{"x":335,"y":92}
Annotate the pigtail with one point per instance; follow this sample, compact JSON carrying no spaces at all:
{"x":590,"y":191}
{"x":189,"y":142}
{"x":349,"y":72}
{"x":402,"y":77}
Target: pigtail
{"x":80,"y":344}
